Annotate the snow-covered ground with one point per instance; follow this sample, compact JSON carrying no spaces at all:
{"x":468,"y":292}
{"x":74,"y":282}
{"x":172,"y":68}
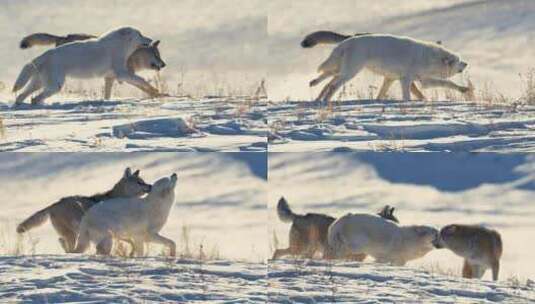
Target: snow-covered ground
{"x":377,"y":125}
{"x":320,"y":282}
{"x":490,"y":35}
{"x":166,"y":124}
{"x":495,"y":190}
{"x":64,"y":279}
{"x":211,"y":48}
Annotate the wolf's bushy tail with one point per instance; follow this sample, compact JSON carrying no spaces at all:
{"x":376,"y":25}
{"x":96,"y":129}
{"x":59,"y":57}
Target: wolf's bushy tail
{"x":326,"y":37}
{"x":37,"y":219}
{"x":39,"y":39}
{"x":24,"y":76}
{"x":323,"y":37}
{"x":283,"y":210}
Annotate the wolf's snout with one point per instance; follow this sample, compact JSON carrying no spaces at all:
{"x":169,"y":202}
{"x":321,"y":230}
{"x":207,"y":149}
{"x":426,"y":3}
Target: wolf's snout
{"x":463,"y":66}
{"x":437,"y":243}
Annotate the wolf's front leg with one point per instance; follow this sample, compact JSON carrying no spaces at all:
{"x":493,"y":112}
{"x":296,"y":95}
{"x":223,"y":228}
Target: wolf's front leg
{"x":445,"y":83}
{"x":320,"y":78}
{"x":405,"y":88}
{"x":139,"y":83}
{"x":155,"y":237}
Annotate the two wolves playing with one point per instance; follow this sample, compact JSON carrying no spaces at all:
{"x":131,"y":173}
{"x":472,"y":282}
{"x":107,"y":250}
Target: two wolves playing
{"x":119,"y":213}
{"x":116,"y":55}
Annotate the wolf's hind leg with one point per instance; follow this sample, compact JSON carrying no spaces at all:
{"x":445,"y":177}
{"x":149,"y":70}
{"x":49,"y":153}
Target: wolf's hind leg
{"x":416,"y":92}
{"x":52,"y":86}
{"x":34,"y":85}
{"x":104,"y":246}
{"x":387,"y":82}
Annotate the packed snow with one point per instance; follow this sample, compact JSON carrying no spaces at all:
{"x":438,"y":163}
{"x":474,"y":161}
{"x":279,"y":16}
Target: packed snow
{"x":130,"y":125}
{"x":64,"y":279}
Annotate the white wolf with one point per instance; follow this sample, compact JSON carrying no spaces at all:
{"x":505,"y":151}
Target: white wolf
{"x":384,"y":240}
{"x":136,"y":219}
{"x":101,"y":57}
{"x":394,"y":57}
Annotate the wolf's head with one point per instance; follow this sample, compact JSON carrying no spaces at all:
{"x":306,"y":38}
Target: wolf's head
{"x":452,"y":64}
{"x":164,"y":186}
{"x":149,"y":56}
{"x":454,"y":237}
{"x":425,"y":238}
{"x":132,"y":185}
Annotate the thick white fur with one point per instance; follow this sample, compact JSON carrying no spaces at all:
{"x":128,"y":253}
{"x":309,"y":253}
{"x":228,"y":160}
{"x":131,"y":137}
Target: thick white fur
{"x":382,"y":239}
{"x":105,"y":56}
{"x":136,"y":219}
{"x":394,"y":57}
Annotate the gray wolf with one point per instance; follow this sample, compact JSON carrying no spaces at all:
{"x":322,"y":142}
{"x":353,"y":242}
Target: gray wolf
{"x":394,"y":57}
{"x":105,"y":56}
{"x":66,"y":214}
{"x":144,"y":58}
{"x":480,"y":247}
{"x":308,"y":232}
{"x":384,"y":240}
{"x":137,"y":219}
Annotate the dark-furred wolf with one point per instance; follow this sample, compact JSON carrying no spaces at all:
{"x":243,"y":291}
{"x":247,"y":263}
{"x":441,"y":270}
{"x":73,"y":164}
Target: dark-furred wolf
{"x":66,"y":214}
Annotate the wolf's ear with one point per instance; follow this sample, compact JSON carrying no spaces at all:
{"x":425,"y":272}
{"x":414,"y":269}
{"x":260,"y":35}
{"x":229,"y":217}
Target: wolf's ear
{"x":136,"y":174}
{"x":392,"y":211}
{"x":124,"y":32}
{"x":156,"y":43}
{"x":127,"y":172}
{"x":447,"y":60}
{"x":421,"y":231}
{"x":450,"y":229}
